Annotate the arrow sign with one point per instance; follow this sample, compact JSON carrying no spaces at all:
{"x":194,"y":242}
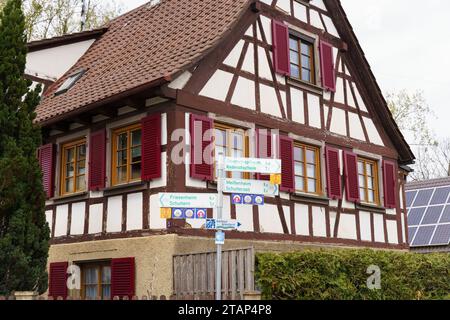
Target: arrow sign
{"x":250,"y":187}
{"x":187,"y":200}
{"x":219,"y":224}
{"x":267,"y":166}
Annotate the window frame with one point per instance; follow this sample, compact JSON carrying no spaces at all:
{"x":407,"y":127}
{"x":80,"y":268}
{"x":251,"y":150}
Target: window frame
{"x":375,"y":169}
{"x":114,"y":134}
{"x":301,"y":39}
{"x":246,"y":148}
{"x":316,"y":150}
{"x":67,"y":146}
{"x":99,"y":269}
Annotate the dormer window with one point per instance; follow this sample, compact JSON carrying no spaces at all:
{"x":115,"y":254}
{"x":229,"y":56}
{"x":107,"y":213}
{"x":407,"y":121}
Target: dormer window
{"x":301,"y":53}
{"x":70,"y":82}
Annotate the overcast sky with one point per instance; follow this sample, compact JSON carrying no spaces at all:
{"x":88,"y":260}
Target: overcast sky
{"x":407,"y":45}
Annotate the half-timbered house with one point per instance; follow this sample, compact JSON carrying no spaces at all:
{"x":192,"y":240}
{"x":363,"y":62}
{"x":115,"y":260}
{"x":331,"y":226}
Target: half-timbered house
{"x":285,"y":79}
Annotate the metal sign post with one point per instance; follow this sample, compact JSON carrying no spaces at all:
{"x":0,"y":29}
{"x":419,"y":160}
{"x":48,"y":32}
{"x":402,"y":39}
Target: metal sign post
{"x":220,"y":185}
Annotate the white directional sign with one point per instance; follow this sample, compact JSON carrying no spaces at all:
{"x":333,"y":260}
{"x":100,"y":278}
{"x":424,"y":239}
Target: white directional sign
{"x":250,"y":187}
{"x":187,"y":200}
{"x":224,"y":225}
{"x":265,"y":166}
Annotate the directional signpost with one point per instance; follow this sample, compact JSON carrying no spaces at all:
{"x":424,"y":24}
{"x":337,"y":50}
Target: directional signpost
{"x":187,"y":200}
{"x":265,"y":166}
{"x":251,"y":187}
{"x":224,"y":225}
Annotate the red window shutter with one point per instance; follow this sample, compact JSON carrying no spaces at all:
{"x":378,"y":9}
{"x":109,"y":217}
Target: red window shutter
{"x":287,"y":164}
{"x":280,"y":36}
{"x":47,"y":163}
{"x":327,"y":65}
{"x":58,"y":280}
{"x":390,"y":185}
{"x":201,"y":138}
{"x":151,"y":147}
{"x":351,"y":177}
{"x":97,"y":160}
{"x":333,"y":173}
{"x":122,"y":278}
{"x":263,"y":148}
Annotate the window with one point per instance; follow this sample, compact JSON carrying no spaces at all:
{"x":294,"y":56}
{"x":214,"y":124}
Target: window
{"x":307,"y":169}
{"x":70,"y":82}
{"x":126,"y":157}
{"x":231,"y":142}
{"x":73,"y":167}
{"x":96,"y":281}
{"x":301,"y":54}
{"x":368,"y":181}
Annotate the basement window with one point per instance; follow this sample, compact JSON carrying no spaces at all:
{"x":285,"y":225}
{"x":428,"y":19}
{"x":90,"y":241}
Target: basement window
{"x":70,"y":82}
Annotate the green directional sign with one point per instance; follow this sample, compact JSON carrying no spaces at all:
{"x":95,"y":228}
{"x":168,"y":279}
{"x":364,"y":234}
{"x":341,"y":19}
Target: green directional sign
{"x":251,"y":187}
{"x":265,"y":166}
{"x":187,"y":200}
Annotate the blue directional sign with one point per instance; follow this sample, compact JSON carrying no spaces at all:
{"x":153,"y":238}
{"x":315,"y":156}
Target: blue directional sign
{"x":220,"y":237}
{"x":210,"y":224}
{"x":249,"y":199}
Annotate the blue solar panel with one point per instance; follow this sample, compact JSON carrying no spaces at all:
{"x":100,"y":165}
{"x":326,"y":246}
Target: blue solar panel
{"x":432,"y":215}
{"x":440,"y":196}
{"x":411,"y":233}
{"x":442,"y":235}
{"x":423,"y":198}
{"x":446,"y":215}
{"x":415,"y":216}
{"x":423,"y":236}
{"x":410,"y":198}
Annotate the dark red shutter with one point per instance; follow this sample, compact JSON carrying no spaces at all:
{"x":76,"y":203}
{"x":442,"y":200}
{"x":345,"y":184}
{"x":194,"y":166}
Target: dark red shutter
{"x":122,"y":278}
{"x":390,"y":189}
{"x":327,"y":65}
{"x":97,"y":160}
{"x":57,"y":286}
{"x":263,"y":148}
{"x":151,"y":147}
{"x":46,"y":156}
{"x":333,"y":173}
{"x":287,"y":164}
{"x":280,"y":36}
{"x":201,"y":137}
{"x":351,"y":177}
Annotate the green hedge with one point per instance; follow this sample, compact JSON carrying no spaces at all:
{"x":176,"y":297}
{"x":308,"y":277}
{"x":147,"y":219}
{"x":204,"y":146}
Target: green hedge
{"x":342,"y":275}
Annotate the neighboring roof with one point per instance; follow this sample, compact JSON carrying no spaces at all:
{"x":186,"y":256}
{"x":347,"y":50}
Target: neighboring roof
{"x":65,"y":39}
{"x":428,"y":204}
{"x":141,"y":48}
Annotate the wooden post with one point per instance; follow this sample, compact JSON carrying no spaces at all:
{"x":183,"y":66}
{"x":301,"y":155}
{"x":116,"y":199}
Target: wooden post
{"x":252,"y":295}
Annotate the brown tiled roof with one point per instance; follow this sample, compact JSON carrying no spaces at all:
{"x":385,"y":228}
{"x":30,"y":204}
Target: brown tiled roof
{"x":141,"y":47}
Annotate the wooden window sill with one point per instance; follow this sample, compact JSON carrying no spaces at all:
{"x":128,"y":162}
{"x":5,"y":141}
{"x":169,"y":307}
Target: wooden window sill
{"x":73,"y":196}
{"x":304,"y":85}
{"x":370,"y":207}
{"x":122,"y":188}
{"x":318,"y":199}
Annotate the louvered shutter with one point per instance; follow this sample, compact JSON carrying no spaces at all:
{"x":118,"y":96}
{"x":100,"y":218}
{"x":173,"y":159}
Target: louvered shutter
{"x":327,"y":66}
{"x":280,"y":36}
{"x":97,"y":160}
{"x":333,"y":173}
{"x":122,"y":277}
{"x":201,"y":137}
{"x":351,"y":177}
{"x":263,"y":148}
{"x":390,"y":189}
{"x":151,"y":147}
{"x":287,"y":164}
{"x":46,"y":156}
{"x":58,"y":280}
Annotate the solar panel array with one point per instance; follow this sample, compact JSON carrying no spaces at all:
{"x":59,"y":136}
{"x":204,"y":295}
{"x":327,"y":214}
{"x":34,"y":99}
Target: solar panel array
{"x":429,"y":216}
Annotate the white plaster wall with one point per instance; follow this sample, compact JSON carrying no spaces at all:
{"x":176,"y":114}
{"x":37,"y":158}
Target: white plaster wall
{"x":134,"y":211}
{"x":350,"y":100}
{"x":161,"y":182}
{"x":300,"y":12}
{"x":269,"y":101}
{"x":244,"y":214}
{"x":155,"y":216}
{"x":49,"y":219}
{"x":233,"y":58}
{"x":298,"y":106}
{"x":365,"y":226}
{"x":78,"y":217}
{"x":339,"y":94}
{"x":392,"y":231}
{"x":267,"y":27}
{"x":347,"y":227}
{"x":284,"y":5}
{"x":61,"y":220}
{"x":378,"y":223}
{"x":318,"y":4}
{"x":244,"y":94}
{"x":356,"y":130}
{"x":95,"y":219}
{"x":319,"y":222}
{"x":333,"y":215}
{"x":315,"y":19}
{"x":314,"y":111}
{"x":270,"y":221}
{"x":249,"y":60}
{"x":361,"y":104}
{"x":331,"y":28}
{"x":114,"y":216}
{"x":403,"y":229}
{"x":217,"y":87}
{"x":338,"y":123}
{"x":53,"y":63}
{"x":301,"y":219}
{"x":263,"y":64}
{"x":372,"y":132}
